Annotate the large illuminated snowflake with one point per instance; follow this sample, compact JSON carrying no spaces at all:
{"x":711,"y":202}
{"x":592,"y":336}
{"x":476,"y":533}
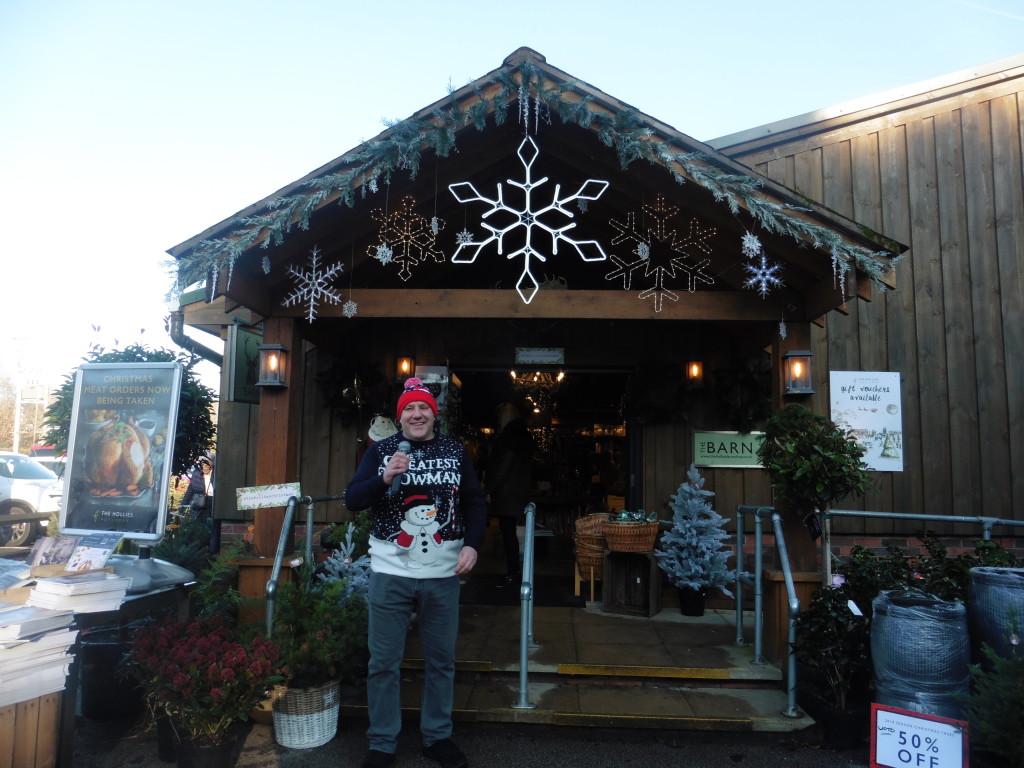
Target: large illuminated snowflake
{"x":313,"y":285}
{"x":660,"y":252}
{"x":529,"y":220}
{"x":406,"y":237}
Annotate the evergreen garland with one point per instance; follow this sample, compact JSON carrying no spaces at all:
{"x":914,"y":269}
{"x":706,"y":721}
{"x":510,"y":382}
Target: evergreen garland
{"x":691,"y":554}
{"x":405,"y":142}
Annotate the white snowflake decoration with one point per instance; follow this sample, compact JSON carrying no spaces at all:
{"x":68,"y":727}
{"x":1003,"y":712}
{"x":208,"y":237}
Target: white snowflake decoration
{"x":313,"y":285}
{"x":349,"y":308}
{"x":383,"y":253}
{"x":751,"y":246}
{"x":529,"y":220}
{"x":661,"y":252}
{"x":464,"y":237}
{"x":762,"y":276}
{"x":782,"y":329}
{"x":406,"y":237}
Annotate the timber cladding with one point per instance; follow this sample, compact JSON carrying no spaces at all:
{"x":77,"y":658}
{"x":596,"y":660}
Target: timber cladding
{"x":942,"y":172}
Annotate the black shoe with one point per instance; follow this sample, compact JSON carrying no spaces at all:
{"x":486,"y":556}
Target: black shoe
{"x":377,"y":759}
{"x":447,"y":754}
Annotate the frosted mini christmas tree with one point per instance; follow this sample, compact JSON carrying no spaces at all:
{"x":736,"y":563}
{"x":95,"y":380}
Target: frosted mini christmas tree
{"x":691,"y":554}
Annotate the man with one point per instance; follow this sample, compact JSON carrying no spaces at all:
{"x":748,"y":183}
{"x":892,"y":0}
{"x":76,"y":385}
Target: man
{"x":428,"y":517}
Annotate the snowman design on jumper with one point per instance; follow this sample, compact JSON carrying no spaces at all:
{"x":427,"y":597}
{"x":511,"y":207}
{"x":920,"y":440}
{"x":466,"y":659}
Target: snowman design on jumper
{"x":420,"y":536}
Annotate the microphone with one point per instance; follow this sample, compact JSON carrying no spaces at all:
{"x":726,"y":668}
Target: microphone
{"x":404,"y":447}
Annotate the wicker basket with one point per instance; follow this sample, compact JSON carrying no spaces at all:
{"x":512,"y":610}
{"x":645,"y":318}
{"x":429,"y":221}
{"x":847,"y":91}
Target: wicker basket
{"x":631,"y":537}
{"x":589,"y":544}
{"x":307,"y":717}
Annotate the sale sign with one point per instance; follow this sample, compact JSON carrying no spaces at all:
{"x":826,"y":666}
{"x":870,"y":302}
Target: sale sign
{"x":901,"y":738}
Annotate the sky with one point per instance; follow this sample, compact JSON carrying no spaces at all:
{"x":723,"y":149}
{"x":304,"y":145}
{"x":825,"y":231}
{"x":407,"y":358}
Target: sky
{"x":128,"y":126}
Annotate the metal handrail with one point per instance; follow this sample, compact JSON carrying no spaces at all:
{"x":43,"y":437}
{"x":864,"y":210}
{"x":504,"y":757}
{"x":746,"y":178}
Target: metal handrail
{"x":986,"y":523}
{"x":282,"y":541}
{"x":526,"y":612}
{"x":755,"y":580}
{"x":794,"y":611}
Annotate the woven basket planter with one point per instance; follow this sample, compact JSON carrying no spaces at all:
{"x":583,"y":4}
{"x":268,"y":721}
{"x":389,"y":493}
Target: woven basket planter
{"x":589,"y":544}
{"x":307,"y":717}
{"x":631,"y":537}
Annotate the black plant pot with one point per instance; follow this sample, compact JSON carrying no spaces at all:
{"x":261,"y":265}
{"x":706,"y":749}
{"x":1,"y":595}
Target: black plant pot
{"x":691,"y":601}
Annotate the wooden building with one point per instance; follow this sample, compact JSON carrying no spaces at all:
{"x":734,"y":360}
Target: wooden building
{"x":531,"y":211}
{"x":937,"y":166}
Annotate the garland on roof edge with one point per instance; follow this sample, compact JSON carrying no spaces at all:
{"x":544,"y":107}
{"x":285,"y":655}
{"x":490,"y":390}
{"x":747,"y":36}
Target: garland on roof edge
{"x":401,"y":150}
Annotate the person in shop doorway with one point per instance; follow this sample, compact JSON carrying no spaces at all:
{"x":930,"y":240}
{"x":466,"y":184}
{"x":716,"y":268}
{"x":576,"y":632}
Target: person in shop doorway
{"x":428,"y":516}
{"x":508,"y":481}
{"x":199,"y":498}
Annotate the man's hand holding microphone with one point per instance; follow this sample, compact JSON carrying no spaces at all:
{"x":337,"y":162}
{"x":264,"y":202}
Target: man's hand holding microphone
{"x":397,"y":466}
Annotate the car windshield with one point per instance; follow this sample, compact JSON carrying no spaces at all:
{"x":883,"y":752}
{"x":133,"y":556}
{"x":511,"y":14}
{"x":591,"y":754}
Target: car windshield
{"x":24,"y":468}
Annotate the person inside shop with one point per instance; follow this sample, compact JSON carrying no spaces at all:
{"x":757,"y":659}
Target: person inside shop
{"x":199,"y":497}
{"x":428,"y":516}
{"x":508,"y":482}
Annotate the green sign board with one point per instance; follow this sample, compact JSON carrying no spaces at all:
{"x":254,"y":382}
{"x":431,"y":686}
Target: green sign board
{"x":736,"y":450}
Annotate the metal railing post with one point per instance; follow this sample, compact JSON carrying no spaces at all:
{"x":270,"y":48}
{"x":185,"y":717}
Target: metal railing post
{"x":526,"y":613}
{"x":289,"y":515}
{"x":794,"y":611}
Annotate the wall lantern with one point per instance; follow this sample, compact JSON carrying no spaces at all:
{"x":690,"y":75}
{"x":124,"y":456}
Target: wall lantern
{"x":796,"y":365}
{"x":404,"y":369}
{"x":695,"y":374}
{"x":273,"y":365}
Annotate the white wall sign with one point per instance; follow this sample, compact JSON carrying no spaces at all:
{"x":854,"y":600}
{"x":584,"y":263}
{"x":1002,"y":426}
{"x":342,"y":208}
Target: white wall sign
{"x":869,"y":404}
{"x":904,"y":739}
{"x":262,"y":496}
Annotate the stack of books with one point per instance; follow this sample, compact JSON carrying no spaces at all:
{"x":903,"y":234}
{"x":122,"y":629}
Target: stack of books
{"x":80,"y":592}
{"x":35,"y":653}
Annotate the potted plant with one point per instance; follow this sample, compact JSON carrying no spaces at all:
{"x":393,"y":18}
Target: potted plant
{"x":205,"y":678}
{"x":691,"y":552}
{"x":811,"y":461}
{"x":833,"y":643}
{"x":320,"y":624}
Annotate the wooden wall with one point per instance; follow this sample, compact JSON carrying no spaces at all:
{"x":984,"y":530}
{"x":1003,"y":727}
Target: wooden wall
{"x":942,"y":173}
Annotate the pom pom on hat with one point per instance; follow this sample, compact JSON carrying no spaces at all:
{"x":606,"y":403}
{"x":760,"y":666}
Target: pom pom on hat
{"x":415,"y":391}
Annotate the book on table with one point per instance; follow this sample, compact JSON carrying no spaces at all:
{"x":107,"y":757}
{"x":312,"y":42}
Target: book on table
{"x":93,"y":602}
{"x":28,"y":620}
{"x":93,"y":551}
{"x":83,"y":583}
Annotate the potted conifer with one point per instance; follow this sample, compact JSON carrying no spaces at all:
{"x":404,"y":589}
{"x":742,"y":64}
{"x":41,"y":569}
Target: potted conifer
{"x":691,"y":553}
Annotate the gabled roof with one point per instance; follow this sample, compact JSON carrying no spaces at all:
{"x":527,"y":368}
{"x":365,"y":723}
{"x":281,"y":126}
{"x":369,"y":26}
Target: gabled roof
{"x":618,"y":180}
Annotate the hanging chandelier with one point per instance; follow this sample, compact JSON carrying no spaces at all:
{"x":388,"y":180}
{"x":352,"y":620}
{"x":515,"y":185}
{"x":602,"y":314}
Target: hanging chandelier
{"x":537,"y":387}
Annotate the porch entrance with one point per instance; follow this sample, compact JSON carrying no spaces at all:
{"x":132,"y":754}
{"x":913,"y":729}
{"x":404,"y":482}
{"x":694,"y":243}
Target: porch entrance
{"x":581,"y":464}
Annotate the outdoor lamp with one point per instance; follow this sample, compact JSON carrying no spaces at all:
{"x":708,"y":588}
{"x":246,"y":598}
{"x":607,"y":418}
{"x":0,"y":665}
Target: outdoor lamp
{"x":405,"y":368}
{"x":695,"y":374}
{"x":796,"y":366}
{"x":273,"y":365}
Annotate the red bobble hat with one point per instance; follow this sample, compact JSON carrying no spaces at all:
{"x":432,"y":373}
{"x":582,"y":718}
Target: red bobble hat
{"x":415,"y":391}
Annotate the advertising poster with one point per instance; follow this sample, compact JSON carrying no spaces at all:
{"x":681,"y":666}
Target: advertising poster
{"x":869,"y":405}
{"x":119,"y":456}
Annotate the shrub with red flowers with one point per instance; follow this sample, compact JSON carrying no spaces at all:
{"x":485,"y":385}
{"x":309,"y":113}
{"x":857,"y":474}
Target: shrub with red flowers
{"x":202,"y":675}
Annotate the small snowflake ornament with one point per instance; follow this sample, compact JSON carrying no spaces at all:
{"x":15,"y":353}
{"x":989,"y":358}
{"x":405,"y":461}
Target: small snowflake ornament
{"x":751,"y":246}
{"x":383,"y":253}
{"x":312,"y":286}
{"x":782,"y":329}
{"x":349,"y":308}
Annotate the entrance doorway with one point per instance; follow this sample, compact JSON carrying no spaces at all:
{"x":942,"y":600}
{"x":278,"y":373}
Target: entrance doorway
{"x":581,"y":464}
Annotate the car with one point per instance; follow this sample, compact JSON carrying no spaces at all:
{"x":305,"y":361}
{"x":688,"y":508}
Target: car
{"x":26,"y":488}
